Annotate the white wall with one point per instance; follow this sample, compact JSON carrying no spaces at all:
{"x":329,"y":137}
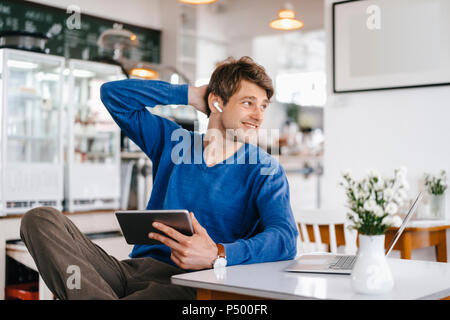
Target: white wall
{"x":212,"y":42}
{"x":384,"y":130}
{"x":250,"y":18}
{"x":265,"y":50}
{"x":143,"y":13}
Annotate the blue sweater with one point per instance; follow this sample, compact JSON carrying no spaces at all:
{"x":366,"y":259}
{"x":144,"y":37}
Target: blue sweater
{"x":244,"y":205}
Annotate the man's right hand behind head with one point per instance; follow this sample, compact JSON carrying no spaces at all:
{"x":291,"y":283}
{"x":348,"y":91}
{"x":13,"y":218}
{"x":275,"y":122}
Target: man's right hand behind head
{"x":196,"y":98}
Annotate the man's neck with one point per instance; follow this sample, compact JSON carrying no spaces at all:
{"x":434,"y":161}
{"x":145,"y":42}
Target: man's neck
{"x":217,"y":146}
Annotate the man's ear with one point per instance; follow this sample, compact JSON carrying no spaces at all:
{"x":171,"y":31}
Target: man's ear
{"x":212,"y":98}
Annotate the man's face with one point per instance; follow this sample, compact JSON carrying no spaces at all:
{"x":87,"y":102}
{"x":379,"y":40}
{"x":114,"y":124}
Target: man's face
{"x":244,"y":112}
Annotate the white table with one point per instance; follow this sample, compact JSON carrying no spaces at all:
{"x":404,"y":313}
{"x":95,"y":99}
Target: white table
{"x":413,"y":280}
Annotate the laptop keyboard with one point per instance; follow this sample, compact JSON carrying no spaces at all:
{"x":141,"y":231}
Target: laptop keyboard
{"x":343,"y":263}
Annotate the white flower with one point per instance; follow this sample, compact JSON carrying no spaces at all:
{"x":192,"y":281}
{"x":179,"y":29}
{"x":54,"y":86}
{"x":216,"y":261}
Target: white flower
{"x":393,"y":221}
{"x":373,"y":173}
{"x":355,"y":217}
{"x":401,"y":173}
{"x":356,"y":193}
{"x":379,"y":185}
{"x":400,"y":196}
{"x":388,"y":220}
{"x":397,"y":221}
{"x":370,"y":205}
{"x":399,"y":201}
{"x":404,"y":183}
{"x":346,"y":172}
{"x":388,"y":193}
{"x":378,"y":211}
{"x":391,"y":208}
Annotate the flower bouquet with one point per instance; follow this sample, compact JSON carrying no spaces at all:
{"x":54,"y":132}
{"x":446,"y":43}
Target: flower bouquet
{"x":436,"y":187}
{"x":375,"y":201}
{"x":436,"y":184}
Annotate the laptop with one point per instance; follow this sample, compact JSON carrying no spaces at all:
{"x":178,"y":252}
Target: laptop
{"x":340,"y":263}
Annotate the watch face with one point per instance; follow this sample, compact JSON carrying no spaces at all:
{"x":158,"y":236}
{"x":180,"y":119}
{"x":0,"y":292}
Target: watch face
{"x":220,"y":263}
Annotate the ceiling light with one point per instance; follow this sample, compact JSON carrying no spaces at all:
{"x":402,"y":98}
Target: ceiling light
{"x":286,"y":19}
{"x":144,"y":73}
{"x":78,"y":73}
{"x":197,"y":1}
{"x":22,"y":64}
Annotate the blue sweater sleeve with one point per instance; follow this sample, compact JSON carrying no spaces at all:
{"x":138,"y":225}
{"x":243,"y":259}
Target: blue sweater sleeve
{"x":278,"y":238}
{"x":126,"y":101}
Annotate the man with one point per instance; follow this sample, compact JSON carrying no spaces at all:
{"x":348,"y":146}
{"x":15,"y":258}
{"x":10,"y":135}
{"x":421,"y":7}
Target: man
{"x":240,"y":208}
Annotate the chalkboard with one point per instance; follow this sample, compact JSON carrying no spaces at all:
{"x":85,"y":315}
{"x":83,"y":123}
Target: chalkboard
{"x":79,"y":42}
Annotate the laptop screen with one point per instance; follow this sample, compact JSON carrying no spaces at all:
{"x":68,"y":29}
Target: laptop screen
{"x":404,"y":223}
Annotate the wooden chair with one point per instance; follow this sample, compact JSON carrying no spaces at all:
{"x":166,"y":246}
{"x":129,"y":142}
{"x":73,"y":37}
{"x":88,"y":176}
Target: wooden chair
{"x":324,"y":230}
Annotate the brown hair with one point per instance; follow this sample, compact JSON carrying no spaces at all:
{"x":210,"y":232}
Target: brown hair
{"x":226,"y":78}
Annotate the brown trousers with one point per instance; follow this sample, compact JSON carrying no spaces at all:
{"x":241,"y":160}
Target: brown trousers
{"x":73,"y":267}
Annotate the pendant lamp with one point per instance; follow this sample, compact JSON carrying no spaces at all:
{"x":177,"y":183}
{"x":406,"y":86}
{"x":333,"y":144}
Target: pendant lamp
{"x":286,"y":19}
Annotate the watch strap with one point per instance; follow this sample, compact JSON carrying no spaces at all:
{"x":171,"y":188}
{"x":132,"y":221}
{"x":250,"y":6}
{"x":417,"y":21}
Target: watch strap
{"x":221,"y":251}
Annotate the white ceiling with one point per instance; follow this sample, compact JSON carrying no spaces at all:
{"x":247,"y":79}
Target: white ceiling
{"x":249,"y":18}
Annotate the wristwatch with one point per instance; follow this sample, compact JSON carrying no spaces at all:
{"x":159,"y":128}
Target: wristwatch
{"x":221,"y":260}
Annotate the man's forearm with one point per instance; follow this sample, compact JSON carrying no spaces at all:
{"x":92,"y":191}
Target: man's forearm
{"x":132,"y":94}
{"x":127,"y":102}
{"x":272,"y":244}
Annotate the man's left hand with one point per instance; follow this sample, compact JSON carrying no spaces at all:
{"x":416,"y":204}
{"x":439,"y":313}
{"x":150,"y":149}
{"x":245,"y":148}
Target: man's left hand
{"x":194,"y":252}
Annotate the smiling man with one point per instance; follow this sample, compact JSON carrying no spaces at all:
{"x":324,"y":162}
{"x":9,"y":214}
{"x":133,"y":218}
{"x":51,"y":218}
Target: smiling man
{"x":241,"y":212}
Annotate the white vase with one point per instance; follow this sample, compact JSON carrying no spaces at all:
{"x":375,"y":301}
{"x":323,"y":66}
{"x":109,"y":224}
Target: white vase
{"x":437,"y":206}
{"x":371,"y":273}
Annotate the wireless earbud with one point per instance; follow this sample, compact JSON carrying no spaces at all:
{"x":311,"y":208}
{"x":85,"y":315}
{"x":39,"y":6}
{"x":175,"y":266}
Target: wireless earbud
{"x":216,"y":104}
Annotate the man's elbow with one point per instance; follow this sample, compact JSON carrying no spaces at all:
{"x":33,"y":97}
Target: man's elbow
{"x":292,"y":249}
{"x":291,"y":244}
{"x":105,"y":91}
{"x":289,"y":247}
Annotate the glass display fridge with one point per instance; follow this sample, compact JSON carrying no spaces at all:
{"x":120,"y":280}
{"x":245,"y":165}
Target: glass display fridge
{"x":92,"y":151}
{"x":31,"y":165}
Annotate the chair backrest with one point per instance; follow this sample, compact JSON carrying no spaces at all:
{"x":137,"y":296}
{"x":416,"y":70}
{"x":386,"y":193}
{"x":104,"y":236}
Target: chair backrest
{"x":323,"y":230}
